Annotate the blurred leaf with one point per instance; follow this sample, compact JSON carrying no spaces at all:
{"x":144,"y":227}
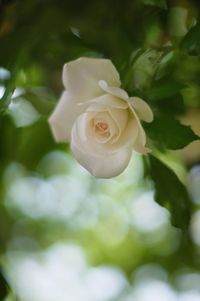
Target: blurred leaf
{"x":191,"y":42}
{"x":11,"y":84}
{"x":166,"y":97}
{"x":165,"y":88}
{"x":3,"y":287}
{"x":173,"y":105}
{"x":41,"y":99}
{"x":8,"y":135}
{"x":6,"y":98}
{"x":170,"y":133}
{"x":170,"y":192}
{"x":159,"y":3}
{"x":165,"y":64}
{"x":6,"y":224}
{"x":136,"y":54}
{"x":33,"y":143}
{"x":144,"y":68}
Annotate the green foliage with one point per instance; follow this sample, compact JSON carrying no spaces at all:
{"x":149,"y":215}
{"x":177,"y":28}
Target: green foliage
{"x":165,"y":95}
{"x":159,"y":3}
{"x":165,"y":88}
{"x":191,"y":42}
{"x":170,"y":192}
{"x":3,"y":287}
{"x":169,"y":133}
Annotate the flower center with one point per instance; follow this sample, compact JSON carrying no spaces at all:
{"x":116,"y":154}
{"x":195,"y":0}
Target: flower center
{"x":102,"y":128}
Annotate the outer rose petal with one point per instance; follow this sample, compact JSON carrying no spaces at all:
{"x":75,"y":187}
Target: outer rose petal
{"x":142,"y":108}
{"x":102,"y":166}
{"x":63,"y":117}
{"x":115,"y":91}
{"x":81,"y":77}
{"x":139,"y":144}
{"x":129,"y":135}
{"x":140,"y":141}
{"x":105,"y":100}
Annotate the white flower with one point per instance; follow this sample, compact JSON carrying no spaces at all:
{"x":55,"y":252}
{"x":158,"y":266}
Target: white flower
{"x":98,"y":118}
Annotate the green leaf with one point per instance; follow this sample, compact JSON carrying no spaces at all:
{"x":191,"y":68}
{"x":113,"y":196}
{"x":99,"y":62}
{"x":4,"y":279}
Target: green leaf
{"x":11,"y":84}
{"x":165,"y":88}
{"x":166,"y":97}
{"x":173,"y":105}
{"x":34,"y":142}
{"x":3,"y":287}
{"x":41,"y":99}
{"x":170,"y":192}
{"x":170,"y":133}
{"x":159,"y":3}
{"x":144,"y":69}
{"x":191,"y":42}
{"x":166,"y":64}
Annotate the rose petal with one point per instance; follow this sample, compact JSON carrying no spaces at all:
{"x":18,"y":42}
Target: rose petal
{"x":139,"y":144}
{"x":115,"y":91}
{"x":63,"y":117}
{"x":128,"y":136}
{"x":120,"y":117}
{"x":140,"y":141}
{"x":140,"y":148}
{"x":102,"y":166}
{"x":106,"y":100}
{"x":142,"y":108}
{"x":82,"y":132}
{"x":81,"y":77}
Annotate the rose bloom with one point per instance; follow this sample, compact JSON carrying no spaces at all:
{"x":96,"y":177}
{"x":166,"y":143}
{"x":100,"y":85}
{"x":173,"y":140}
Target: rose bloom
{"x":98,"y":118}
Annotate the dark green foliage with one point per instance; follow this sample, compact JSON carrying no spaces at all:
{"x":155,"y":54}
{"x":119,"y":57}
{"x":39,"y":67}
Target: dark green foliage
{"x":165,"y":95}
{"x":170,"y":192}
{"x":3,"y":287}
{"x":169,"y":133}
{"x":191,"y":42}
{"x":159,"y":3}
{"x":165,"y":88}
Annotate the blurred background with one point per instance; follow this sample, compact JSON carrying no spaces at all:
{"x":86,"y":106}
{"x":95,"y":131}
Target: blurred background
{"x":64,"y":235}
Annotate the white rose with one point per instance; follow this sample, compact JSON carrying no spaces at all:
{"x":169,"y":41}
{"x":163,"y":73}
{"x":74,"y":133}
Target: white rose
{"x":98,"y":118}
